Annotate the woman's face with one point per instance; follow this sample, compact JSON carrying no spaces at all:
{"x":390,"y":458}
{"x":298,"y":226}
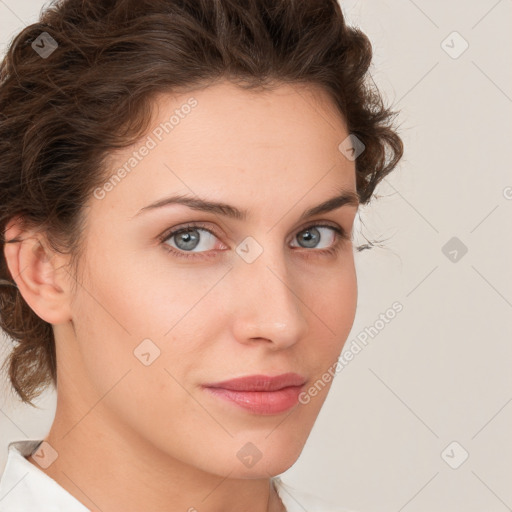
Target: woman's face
{"x":159,"y":316}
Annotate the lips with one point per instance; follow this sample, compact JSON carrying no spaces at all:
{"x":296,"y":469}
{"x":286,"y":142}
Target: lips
{"x":260,"y":394}
{"x":260,"y":382}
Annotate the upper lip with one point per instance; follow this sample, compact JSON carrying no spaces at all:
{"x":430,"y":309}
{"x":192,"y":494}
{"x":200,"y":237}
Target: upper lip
{"x":260,"y":382}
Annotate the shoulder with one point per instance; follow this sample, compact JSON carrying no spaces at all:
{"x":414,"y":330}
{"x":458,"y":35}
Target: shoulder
{"x":296,"y":500}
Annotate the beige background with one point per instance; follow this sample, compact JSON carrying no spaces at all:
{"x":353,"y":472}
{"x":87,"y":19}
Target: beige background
{"x":440,"y":371}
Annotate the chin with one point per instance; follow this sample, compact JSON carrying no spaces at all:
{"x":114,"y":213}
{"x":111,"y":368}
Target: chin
{"x":265,"y":455}
{"x":262,"y":469}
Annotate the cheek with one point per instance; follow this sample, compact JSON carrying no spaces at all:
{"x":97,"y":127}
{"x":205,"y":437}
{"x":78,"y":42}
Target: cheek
{"x":127,"y":358}
{"x":333,"y":308}
{"x":343,"y":306}
{"x":332,"y":299}
{"x":132,"y":318}
{"x":111,"y":318}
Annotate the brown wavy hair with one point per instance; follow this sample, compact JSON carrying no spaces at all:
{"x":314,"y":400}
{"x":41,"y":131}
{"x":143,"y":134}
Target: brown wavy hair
{"x":63,"y":113}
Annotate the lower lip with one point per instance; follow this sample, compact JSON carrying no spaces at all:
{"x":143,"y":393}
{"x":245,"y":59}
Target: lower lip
{"x":261,"y":402}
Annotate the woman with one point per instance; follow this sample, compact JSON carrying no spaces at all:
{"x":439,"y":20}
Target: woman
{"x":179,"y":181}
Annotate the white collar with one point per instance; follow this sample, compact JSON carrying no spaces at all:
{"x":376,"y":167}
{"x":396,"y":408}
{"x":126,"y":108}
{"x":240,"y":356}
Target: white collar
{"x":25,"y":487}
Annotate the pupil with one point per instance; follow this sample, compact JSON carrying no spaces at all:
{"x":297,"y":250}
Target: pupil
{"x":311,"y":236}
{"x":188,"y":240}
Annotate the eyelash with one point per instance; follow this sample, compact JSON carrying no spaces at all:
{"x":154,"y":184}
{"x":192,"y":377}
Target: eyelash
{"x":341,"y":238}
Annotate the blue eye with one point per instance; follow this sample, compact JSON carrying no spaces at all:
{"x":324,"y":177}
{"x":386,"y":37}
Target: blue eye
{"x":312,"y":236}
{"x":188,"y":238}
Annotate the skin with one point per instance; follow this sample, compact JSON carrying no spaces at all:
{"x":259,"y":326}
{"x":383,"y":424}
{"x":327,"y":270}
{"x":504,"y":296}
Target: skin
{"x":213,"y":318}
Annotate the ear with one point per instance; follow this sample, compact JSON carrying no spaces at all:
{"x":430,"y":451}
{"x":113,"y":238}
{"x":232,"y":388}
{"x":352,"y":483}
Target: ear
{"x":39,"y":272}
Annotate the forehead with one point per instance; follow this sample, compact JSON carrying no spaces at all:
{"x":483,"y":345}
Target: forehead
{"x":222,"y":141}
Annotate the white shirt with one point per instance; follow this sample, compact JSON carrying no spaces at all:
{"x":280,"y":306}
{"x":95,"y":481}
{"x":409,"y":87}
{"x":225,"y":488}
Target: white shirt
{"x":26,"y":488}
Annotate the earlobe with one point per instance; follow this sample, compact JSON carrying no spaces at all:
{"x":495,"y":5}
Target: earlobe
{"x":33,"y":267}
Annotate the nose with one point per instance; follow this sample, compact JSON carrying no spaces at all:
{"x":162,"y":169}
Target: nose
{"x":268,"y":305}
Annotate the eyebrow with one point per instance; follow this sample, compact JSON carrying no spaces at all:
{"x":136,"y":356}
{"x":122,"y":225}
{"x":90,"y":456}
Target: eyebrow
{"x":346,"y":198}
